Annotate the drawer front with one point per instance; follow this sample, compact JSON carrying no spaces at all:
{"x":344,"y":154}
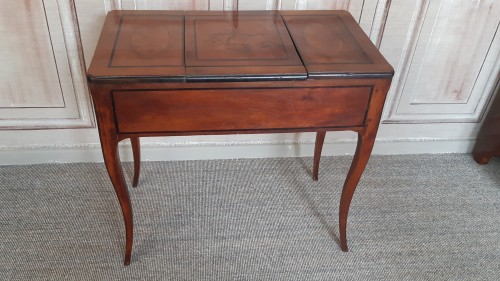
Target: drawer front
{"x":239,"y":109}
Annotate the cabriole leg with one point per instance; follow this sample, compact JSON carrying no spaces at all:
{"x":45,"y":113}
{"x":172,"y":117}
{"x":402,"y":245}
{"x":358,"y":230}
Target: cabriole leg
{"x":136,"y":151}
{"x":112,"y":161}
{"x":361,"y":156}
{"x":318,"y":146}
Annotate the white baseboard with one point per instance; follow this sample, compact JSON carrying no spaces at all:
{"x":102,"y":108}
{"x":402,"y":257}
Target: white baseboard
{"x":157,"y":151}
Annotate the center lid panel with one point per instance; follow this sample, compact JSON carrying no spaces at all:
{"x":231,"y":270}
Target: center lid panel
{"x":240,"y":45}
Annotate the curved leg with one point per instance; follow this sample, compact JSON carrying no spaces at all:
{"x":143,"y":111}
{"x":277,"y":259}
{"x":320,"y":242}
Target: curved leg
{"x":109,"y":145}
{"x":363,"y":151}
{"x":318,"y":146}
{"x":112,"y":161}
{"x":136,"y":151}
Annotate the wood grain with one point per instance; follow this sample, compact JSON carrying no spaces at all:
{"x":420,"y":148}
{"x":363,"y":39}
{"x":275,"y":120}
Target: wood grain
{"x":243,"y":44}
{"x":130,"y":45}
{"x":239,"y":109}
{"x":333,"y":44}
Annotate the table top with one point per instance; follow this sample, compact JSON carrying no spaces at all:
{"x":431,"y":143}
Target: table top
{"x":197,"y":46}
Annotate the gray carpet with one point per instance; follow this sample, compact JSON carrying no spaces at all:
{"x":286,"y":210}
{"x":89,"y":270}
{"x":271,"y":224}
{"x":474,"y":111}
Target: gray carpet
{"x":426,"y":217}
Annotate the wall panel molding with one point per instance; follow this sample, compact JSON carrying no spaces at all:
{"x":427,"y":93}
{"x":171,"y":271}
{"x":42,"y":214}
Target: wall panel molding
{"x":401,"y":70}
{"x":112,"y":5}
{"x":274,"y":4}
{"x":449,"y":66}
{"x":379,"y":20}
{"x":65,"y":45}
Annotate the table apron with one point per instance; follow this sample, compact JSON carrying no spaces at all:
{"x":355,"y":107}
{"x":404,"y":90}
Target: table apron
{"x":180,"y":111}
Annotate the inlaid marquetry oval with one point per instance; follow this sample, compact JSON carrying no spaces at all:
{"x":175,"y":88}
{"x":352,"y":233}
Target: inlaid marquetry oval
{"x":150,"y":41}
{"x":314,"y":34}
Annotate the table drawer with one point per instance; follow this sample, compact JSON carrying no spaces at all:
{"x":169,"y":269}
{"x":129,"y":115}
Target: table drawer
{"x":239,"y":109}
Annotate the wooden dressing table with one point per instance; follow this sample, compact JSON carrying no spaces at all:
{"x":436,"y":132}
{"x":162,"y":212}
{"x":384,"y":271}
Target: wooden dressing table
{"x":173,"y":73}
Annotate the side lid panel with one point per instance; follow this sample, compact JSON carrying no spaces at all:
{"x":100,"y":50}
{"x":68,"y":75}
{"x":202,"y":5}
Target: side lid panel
{"x":135,"y":44}
{"x":331,"y":44}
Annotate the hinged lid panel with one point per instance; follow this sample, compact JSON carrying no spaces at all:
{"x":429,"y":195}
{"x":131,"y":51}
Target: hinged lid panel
{"x":140,"y":44}
{"x":331,"y":44}
{"x":240,"y":45}
{"x":233,"y":46}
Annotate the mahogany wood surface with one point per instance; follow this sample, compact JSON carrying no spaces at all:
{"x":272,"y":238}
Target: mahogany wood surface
{"x":140,"y":44}
{"x":238,"y":109}
{"x":246,"y":45}
{"x":318,"y":146}
{"x":169,"y":73}
{"x":136,"y":152}
{"x":109,"y":144}
{"x":488,"y":140}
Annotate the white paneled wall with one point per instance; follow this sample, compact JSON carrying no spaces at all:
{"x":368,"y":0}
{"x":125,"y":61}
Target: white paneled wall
{"x":41,"y":71}
{"x":445,"y":54}
{"x":22,"y":58}
{"x":447,"y":57}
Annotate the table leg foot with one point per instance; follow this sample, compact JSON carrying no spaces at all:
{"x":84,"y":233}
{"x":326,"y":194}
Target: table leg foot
{"x":318,"y":146}
{"x":127,"y":259}
{"x":136,"y":151}
{"x":343,"y":246}
{"x":482,"y":158}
